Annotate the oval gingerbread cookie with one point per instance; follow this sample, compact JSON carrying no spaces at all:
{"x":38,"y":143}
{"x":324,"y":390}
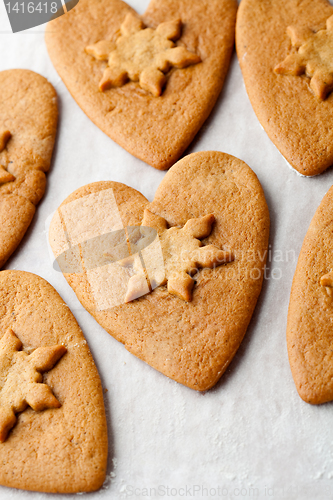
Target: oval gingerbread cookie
{"x":53,"y":435}
{"x":310,"y":316}
{"x":28,"y":125}
{"x":176,"y":280}
{"x":285,"y":53}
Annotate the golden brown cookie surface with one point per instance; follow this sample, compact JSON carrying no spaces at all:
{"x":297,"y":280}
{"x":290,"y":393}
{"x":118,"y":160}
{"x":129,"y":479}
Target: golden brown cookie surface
{"x":28,"y":123}
{"x":59,"y":443}
{"x":190,"y":341}
{"x":310,"y":316}
{"x":296,"y":110}
{"x":156,"y":129}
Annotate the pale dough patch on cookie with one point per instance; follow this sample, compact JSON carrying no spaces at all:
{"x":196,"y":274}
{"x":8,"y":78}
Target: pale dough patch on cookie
{"x":314,"y":57}
{"x":184,"y":253}
{"x":20,"y":380}
{"x":142,"y":54}
{"x":327,"y":282}
{"x":4,"y":175}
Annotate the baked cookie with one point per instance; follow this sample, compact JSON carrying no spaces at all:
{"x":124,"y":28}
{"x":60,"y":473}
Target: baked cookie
{"x":28,"y":123}
{"x":310,"y":316}
{"x":53,"y":435}
{"x":148,"y":82}
{"x":176,"y":280}
{"x":284,"y":50}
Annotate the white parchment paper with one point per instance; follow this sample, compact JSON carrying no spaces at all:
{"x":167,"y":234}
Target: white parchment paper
{"x":249,"y":437}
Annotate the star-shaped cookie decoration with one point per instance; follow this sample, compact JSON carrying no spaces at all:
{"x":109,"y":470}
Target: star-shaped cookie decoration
{"x":183,"y":254}
{"x":142,"y":54}
{"x":21,"y":377}
{"x":313,"y":57}
{"x":5,"y":176}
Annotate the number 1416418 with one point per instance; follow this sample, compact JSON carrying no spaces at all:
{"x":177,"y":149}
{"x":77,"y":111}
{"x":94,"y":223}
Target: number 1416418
{"x":32,"y":7}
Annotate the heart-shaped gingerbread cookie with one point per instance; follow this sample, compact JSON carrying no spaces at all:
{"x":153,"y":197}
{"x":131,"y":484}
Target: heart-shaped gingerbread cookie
{"x":284,"y":51}
{"x":162,"y":72}
{"x":176,"y":280}
{"x":310,"y":316}
{"x":53,"y":435}
{"x":28,"y":124}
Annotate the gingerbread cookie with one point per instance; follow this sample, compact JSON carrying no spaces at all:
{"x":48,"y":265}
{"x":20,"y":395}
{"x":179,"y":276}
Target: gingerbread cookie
{"x":310,"y":316}
{"x":148,"y":82}
{"x":284,"y":50}
{"x":28,"y":123}
{"x":176,"y":280}
{"x":53,"y":435}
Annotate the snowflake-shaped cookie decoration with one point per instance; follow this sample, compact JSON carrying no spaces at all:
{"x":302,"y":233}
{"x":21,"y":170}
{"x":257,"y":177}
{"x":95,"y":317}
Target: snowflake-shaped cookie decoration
{"x":142,"y":54}
{"x":5,"y":176}
{"x":20,"y":380}
{"x":314,"y":57}
{"x":183,"y":254}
